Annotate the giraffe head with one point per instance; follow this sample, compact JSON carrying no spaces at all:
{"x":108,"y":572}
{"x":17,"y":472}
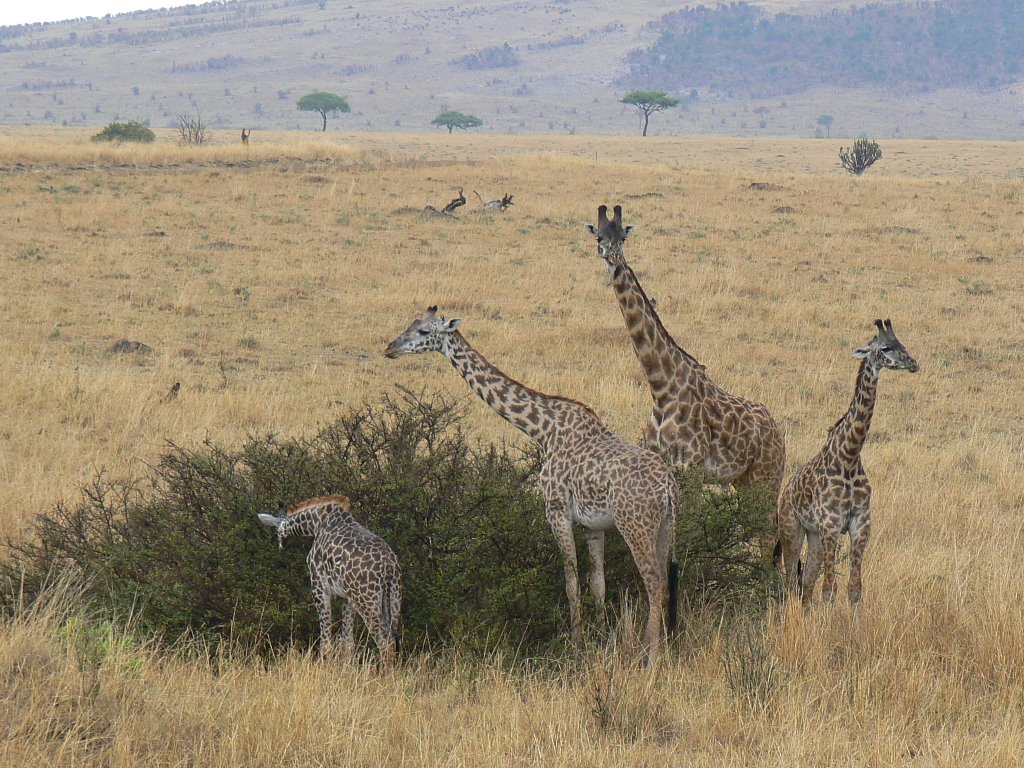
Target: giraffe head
{"x":610,"y":234}
{"x":426,"y":334}
{"x":273,"y":521}
{"x":886,"y":350}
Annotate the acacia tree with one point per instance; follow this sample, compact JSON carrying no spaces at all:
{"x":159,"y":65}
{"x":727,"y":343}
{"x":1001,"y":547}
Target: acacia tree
{"x":649,"y":102}
{"x":826,"y":121}
{"x":323,"y":102}
{"x":457,"y":120}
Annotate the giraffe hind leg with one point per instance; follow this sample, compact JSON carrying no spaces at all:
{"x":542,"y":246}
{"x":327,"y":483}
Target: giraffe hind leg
{"x":645,"y":554}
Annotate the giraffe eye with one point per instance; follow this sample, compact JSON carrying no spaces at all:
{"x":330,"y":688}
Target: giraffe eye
{"x":423,"y":332}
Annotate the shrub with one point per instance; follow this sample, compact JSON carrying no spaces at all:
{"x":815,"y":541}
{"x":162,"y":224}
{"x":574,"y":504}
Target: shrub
{"x":496,"y":57}
{"x":861,"y":157}
{"x":130,"y":131}
{"x":181,"y":549}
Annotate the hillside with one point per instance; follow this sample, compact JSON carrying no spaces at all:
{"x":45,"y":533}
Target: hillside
{"x":919,"y":46}
{"x":523,"y":66}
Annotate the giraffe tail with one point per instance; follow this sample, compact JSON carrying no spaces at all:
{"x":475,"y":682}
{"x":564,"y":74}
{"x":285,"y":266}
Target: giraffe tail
{"x":777,"y":553}
{"x":673,"y":596}
{"x":388,"y":620}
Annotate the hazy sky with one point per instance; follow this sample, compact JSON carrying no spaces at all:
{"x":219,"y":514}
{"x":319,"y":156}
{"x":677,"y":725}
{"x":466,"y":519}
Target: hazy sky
{"x":14,"y":12}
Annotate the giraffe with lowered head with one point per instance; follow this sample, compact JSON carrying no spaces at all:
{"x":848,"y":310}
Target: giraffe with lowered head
{"x":350,"y":562}
{"x":695,"y":422}
{"x":830,"y":495}
{"x":590,"y":476}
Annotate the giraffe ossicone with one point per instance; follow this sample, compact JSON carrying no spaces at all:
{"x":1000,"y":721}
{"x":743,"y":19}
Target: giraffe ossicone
{"x":831,"y":495}
{"x":590,"y":476}
{"x":350,"y":562}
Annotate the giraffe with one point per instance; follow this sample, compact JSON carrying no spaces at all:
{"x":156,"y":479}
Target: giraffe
{"x":350,"y":562}
{"x":590,"y":476}
{"x":831,"y":495}
{"x":694,"y":422}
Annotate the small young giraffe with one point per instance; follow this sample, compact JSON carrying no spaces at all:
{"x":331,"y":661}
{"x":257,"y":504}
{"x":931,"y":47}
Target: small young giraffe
{"x":590,"y":475}
{"x":831,"y":495}
{"x":350,"y":562}
{"x":694,"y":421}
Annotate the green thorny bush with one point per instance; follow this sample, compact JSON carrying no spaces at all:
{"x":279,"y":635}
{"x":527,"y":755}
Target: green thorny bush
{"x":181,"y":551}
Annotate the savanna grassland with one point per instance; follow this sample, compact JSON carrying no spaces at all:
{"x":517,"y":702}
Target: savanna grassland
{"x":267,"y":282}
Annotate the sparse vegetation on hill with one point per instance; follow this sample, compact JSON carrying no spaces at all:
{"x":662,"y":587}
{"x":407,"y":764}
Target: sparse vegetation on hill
{"x":490,"y":58}
{"x":741,"y":49}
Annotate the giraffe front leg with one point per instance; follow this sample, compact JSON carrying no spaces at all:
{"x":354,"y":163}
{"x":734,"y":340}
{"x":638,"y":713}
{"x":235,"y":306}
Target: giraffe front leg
{"x":860,"y":532}
{"x":829,"y":548}
{"x":561,"y":527}
{"x":595,"y":546}
{"x":322,"y":601}
{"x":810,"y":576}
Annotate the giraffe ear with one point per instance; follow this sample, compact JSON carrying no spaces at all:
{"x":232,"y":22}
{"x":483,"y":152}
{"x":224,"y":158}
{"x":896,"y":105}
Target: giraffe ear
{"x":593,"y":230}
{"x":450,"y":326}
{"x":862,"y":352}
{"x":269,"y":520}
{"x":628,"y":231}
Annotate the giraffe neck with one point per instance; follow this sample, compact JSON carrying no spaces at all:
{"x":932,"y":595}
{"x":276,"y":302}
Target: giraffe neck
{"x":531,"y":412}
{"x":309,"y":520}
{"x":666,"y":365}
{"x":851,"y":431}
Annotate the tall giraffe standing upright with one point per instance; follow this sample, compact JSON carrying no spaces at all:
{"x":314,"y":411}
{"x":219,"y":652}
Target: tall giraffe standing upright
{"x":590,"y":476}
{"x":694,"y":421}
{"x":831,"y":495}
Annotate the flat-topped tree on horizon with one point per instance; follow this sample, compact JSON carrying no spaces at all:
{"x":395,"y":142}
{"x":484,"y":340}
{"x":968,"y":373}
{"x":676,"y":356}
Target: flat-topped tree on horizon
{"x":323,"y":103}
{"x":649,"y":102}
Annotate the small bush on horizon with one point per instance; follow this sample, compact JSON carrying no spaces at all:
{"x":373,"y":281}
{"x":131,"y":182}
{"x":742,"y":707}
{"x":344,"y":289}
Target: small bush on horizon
{"x":133,"y":130}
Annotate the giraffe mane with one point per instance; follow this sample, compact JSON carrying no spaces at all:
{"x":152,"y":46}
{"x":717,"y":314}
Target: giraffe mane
{"x":657,"y":317}
{"x":860,"y":376}
{"x":529,"y":389}
{"x":336,"y":498}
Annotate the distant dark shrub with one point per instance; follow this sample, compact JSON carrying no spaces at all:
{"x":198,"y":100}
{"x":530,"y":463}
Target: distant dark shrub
{"x":130,"y":131}
{"x":182,"y":551}
{"x":489,"y":58}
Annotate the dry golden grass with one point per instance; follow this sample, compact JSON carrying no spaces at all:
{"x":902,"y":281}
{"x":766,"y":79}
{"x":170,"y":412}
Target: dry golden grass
{"x":268,"y":281}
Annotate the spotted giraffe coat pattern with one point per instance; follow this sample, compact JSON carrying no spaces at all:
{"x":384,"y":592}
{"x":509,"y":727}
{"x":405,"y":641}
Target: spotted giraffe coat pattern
{"x":590,"y":476}
{"x":350,"y":562}
{"x":694,"y":421}
{"x":830,"y":495}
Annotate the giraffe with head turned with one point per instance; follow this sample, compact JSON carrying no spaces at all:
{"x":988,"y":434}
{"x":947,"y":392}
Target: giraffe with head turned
{"x":694,"y":422}
{"x":350,"y":562}
{"x":831,"y":495}
{"x":590,"y":476}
